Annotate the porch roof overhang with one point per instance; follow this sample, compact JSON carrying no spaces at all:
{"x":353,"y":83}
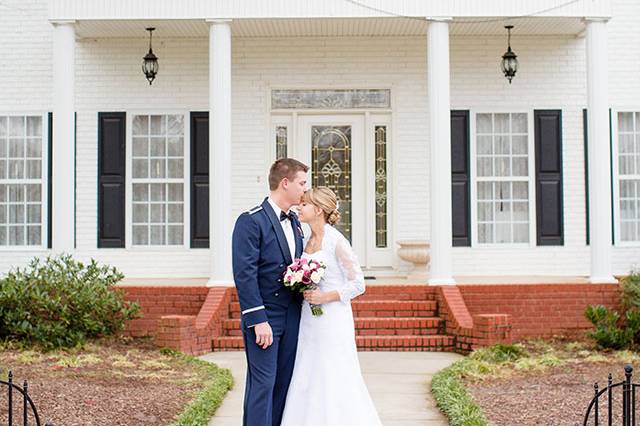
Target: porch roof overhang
{"x":295,"y":18}
{"x":324,"y":27}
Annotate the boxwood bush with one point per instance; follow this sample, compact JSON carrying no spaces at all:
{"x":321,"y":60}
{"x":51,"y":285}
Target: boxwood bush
{"x":61,"y":302}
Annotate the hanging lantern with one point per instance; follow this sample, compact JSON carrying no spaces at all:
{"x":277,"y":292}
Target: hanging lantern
{"x":509,"y":59}
{"x":150,"y":61}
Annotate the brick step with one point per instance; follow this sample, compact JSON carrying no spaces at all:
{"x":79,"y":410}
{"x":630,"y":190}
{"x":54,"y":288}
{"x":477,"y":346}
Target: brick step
{"x":364,"y":343}
{"x":389,"y":292}
{"x":377,"y":308}
{"x":372,"y":326}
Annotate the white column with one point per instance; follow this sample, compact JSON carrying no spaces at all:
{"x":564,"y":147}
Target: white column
{"x":63,"y":136}
{"x":598,"y":155}
{"x":220,"y":221}
{"x":440,"y":148}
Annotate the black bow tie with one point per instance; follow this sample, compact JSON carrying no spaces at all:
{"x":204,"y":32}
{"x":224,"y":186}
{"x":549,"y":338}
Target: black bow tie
{"x":289,"y":216}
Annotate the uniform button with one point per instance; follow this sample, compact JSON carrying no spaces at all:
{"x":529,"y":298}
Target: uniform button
{"x":277,"y":294}
{"x":282,"y":265}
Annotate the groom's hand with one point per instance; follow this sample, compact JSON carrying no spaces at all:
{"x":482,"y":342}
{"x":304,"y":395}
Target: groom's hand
{"x":264,"y":335}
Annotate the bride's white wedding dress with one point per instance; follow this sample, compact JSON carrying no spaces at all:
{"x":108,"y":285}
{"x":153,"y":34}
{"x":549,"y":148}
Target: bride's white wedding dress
{"x":327,"y":388}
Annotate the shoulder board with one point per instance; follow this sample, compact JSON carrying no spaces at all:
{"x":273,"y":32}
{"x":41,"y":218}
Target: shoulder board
{"x":254,"y":210}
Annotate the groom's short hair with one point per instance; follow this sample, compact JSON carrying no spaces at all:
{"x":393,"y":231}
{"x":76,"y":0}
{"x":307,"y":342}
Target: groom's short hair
{"x":284,"y":168}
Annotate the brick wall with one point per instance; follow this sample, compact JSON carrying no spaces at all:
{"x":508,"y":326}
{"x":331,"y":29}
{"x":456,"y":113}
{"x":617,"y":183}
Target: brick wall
{"x":540,"y":309}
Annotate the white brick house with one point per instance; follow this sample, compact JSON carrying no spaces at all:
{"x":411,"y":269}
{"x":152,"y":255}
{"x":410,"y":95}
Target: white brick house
{"x":268,"y":73}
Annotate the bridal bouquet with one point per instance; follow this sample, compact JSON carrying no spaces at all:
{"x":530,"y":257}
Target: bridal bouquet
{"x":305,"y":274}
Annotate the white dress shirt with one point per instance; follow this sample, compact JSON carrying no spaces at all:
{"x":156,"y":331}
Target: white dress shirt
{"x":286,"y":227}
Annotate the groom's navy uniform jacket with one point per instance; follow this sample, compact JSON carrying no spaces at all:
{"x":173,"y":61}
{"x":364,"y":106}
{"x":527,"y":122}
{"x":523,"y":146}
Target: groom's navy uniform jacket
{"x":261,"y":255}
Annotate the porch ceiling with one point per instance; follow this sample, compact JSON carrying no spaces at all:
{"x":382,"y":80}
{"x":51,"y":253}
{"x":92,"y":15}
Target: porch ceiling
{"x":335,"y":27}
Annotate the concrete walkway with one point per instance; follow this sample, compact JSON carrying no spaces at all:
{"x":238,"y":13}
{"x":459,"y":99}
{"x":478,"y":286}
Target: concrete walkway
{"x":398,"y":382}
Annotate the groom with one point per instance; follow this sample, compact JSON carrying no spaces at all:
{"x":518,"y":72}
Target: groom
{"x":266,"y":239}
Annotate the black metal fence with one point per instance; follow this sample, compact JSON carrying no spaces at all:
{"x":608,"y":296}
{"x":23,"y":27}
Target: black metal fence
{"x":593,"y":414}
{"x":27,"y":402}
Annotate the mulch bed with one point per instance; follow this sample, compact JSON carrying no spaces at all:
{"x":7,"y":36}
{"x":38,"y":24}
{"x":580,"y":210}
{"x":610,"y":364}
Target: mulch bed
{"x":558,"y":396}
{"x":115,"y":382}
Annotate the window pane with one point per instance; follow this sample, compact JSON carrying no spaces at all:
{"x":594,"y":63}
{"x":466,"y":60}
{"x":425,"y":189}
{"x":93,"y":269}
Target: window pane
{"x":16,"y":126}
{"x":3,"y":235}
{"x":140,"y":213}
{"x":157,"y":191}
{"x":140,"y":168}
{"x":156,"y":213}
{"x":625,"y":121}
{"x":4,"y":147}
{"x":519,"y":123}
{"x":485,"y":166}
{"x":501,"y":123}
{"x":156,"y":235}
{"x":16,"y":193}
{"x":157,"y":147}
{"x":503,"y":166}
{"x":16,"y":169}
{"x":3,"y":169}
{"x":485,"y":145}
{"x":175,"y":191}
{"x":33,"y":192}
{"x":174,"y":147}
{"x":175,"y":125}
{"x":520,"y":211}
{"x":175,"y":235}
{"x":33,"y":235}
{"x":157,"y":168}
{"x":34,"y":170}
{"x":519,"y":145}
{"x":3,"y":214}
{"x":485,"y":211}
{"x":16,"y":213}
{"x":627,"y":144}
{"x":485,"y":233}
{"x":503,"y":233}
{"x":502,"y":145}
{"x":33,"y":213}
{"x":140,"y":192}
{"x":3,"y":127}
{"x":16,"y":235}
{"x":175,"y":213}
{"x":484,"y":123}
{"x":140,"y":235}
{"x":175,"y":168}
{"x":281,"y":142}
{"x":140,"y":147}
{"x":520,"y":166}
{"x":16,"y":148}
{"x":158,"y":125}
{"x":485,"y":190}
{"x":521,"y":191}
{"x":34,"y":126}
{"x":140,"y":125}
{"x":521,"y":233}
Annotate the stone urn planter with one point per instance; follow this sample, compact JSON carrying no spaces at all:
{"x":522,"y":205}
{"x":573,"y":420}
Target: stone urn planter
{"x":416,"y":252}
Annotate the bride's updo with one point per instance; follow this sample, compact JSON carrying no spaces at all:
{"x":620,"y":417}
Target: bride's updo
{"x":325,"y":199}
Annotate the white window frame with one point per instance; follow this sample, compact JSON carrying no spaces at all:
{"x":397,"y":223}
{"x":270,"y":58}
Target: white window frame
{"x":44,"y":178}
{"x":617,"y":226}
{"x":474,"y":178}
{"x":186,"y":186}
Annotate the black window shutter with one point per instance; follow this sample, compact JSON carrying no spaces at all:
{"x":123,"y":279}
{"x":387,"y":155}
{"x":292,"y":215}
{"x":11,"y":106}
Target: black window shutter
{"x":460,"y":179}
{"x":548,"y":152}
{"x":199,"y":179}
{"x":111,"y":179}
{"x":585,"y":130}
{"x":50,"y":182}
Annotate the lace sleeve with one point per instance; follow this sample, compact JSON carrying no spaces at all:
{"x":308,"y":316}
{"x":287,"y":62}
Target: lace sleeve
{"x":353,"y":275}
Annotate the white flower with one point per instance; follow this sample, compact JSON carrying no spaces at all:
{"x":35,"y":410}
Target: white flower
{"x":315,"y":277}
{"x":320,"y":272}
{"x":298,"y":276}
{"x":305,"y":267}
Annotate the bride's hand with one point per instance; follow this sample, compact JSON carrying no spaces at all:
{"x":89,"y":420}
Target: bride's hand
{"x":315,"y":297}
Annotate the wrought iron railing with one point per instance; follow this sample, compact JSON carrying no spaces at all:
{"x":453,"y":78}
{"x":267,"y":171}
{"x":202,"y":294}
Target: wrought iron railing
{"x":628,"y":401}
{"x":27,"y":402}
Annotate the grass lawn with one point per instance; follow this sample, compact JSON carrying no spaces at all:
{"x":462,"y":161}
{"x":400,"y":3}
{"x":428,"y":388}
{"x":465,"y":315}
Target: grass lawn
{"x":537,"y":382}
{"x":116,"y":382}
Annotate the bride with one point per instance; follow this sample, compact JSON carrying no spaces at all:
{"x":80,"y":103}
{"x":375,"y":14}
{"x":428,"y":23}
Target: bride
{"x":327,"y":388}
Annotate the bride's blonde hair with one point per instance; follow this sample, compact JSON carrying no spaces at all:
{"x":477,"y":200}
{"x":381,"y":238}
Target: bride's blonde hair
{"x":324,"y":198}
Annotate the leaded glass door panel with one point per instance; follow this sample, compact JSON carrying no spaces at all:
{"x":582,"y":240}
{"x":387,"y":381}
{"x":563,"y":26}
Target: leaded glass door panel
{"x":333,"y":145}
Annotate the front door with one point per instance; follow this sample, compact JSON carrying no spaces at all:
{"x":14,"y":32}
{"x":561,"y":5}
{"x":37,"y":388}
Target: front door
{"x":334,"y":147}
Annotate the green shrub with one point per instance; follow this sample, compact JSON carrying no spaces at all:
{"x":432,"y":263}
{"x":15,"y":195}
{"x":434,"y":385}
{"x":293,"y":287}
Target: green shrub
{"x":611,"y":330}
{"x":60,"y":302}
{"x":499,"y":353}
